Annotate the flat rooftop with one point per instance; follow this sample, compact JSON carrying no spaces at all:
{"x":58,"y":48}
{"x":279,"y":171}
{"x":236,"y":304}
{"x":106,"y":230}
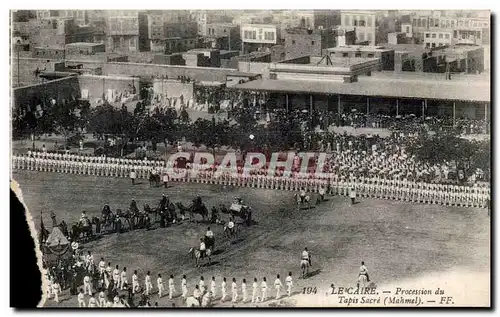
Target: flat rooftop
{"x":339,"y":61}
{"x":362,"y":48}
{"x":83,"y":44}
{"x":466,"y":90}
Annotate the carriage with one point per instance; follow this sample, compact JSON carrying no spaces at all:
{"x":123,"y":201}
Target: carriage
{"x":238,"y":209}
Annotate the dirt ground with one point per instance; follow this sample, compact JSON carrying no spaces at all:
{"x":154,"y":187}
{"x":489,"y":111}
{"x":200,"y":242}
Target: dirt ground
{"x":399,"y":242}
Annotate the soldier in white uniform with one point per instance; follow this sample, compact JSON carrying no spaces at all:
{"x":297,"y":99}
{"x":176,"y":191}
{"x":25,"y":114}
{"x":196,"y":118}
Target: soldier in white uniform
{"x":159,"y":284}
{"x":255,"y":287}
{"x":234,"y":291}
{"x":123,"y":278}
{"x":148,"y":284}
{"x":223,"y":290}
{"x":289,"y":284}
{"x":244,"y":290}
{"x":184,"y":287}
{"x":278,"y":285}
{"x":135,"y":282}
{"x":212,"y":286}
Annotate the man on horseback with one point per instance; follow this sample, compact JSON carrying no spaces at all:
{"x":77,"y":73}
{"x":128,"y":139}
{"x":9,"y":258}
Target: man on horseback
{"x":302,"y":195}
{"x":203,"y":249}
{"x":209,"y":237}
{"x":84,"y":220}
{"x":163,"y":203}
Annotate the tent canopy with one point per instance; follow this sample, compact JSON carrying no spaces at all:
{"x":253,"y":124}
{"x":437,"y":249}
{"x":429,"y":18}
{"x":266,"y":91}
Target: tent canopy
{"x":56,"y":238}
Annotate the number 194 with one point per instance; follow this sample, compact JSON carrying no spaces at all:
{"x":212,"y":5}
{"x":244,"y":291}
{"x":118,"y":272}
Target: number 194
{"x":309,"y":290}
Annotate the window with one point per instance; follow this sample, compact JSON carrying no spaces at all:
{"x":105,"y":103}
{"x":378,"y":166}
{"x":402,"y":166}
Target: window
{"x":293,"y":41}
{"x":361,"y":36}
{"x":447,"y":36}
{"x":345,"y":54}
{"x":433,"y":35}
{"x":254,"y":35}
{"x":433,"y":45}
{"x":369,"y":21}
{"x":463,"y":36}
{"x":440,"y":35}
{"x":427,"y":35}
{"x":312,"y":42}
{"x":452,"y":24}
{"x":357,"y":55}
{"x":427,"y":45}
{"x":407,"y":29}
{"x":455,"y":33}
{"x":443,"y":23}
{"x":370,"y":55}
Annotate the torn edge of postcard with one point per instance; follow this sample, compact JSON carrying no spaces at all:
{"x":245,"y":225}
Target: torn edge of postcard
{"x":14,"y":186}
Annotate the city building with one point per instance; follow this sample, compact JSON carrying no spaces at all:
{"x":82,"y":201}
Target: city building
{"x":303,"y":41}
{"x":363,"y":21}
{"x":122,"y":31}
{"x":258,"y":36}
{"x":171,"y":31}
{"x":222,"y":36}
{"x":80,"y":16}
{"x":385,"y":55}
{"x":462,"y":30}
{"x":62,"y":31}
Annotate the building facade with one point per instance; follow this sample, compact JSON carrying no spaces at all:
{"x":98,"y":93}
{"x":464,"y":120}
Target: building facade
{"x":301,"y":42}
{"x":385,"y":55}
{"x":363,"y":21}
{"x":258,"y":36}
{"x":223,"y":36}
{"x":122,"y":34}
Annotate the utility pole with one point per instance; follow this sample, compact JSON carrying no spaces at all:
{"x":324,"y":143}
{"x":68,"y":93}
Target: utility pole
{"x":18,"y":72}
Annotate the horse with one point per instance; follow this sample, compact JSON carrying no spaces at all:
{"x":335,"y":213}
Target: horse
{"x":306,"y":201}
{"x":85,"y":231}
{"x":151,"y":211}
{"x":182,"y":209}
{"x":154,"y":179}
{"x":209,"y":242}
{"x":304,"y":266}
{"x":196,"y":254}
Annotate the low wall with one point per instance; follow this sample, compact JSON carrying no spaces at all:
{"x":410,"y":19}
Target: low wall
{"x":67,"y":88}
{"x":92,"y":86}
{"x":28,"y":66}
{"x":174,"y":88}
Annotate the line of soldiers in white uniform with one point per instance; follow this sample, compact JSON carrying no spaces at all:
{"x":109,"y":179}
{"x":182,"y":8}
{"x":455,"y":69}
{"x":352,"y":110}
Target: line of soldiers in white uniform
{"x":204,"y":293}
{"x":374,"y":187}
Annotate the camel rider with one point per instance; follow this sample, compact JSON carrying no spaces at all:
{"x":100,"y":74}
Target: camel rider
{"x":215,"y":215}
{"x":163,"y":203}
{"x":302,"y":194}
{"x":364,"y":271}
{"x":84,"y":220}
{"x":133,"y":207}
{"x":197,"y":201}
{"x":306,"y":256}
{"x":203,"y":249}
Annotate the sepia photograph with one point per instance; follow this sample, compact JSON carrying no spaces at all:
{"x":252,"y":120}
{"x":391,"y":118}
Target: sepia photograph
{"x":286,"y":158}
